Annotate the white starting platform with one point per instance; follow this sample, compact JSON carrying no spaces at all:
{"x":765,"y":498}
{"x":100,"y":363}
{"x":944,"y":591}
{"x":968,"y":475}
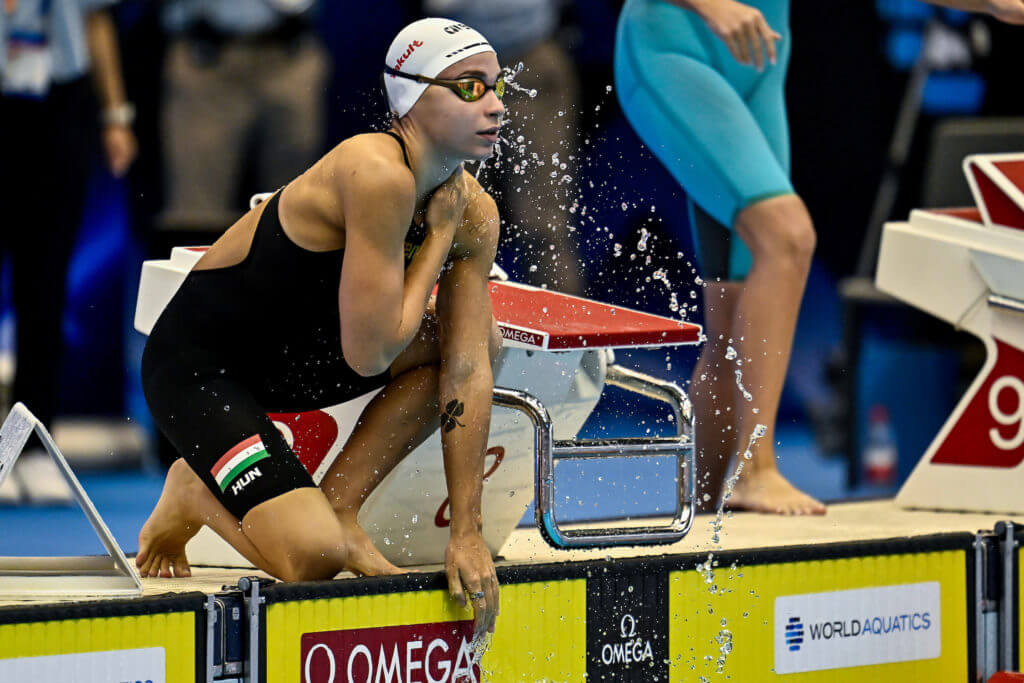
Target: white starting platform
{"x":966,"y":266}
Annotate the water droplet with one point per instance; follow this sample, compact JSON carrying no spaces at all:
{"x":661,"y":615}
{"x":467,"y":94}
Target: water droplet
{"x":642,"y":244}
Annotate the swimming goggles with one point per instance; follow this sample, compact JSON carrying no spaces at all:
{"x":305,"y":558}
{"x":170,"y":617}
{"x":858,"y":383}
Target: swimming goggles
{"x":470,"y":88}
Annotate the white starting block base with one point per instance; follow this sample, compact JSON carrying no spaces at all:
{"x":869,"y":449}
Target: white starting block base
{"x":966,"y":266}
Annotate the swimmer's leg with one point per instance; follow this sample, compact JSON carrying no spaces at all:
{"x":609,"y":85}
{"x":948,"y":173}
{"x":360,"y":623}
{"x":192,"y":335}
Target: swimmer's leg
{"x":394,"y":423}
{"x":712,"y":391}
{"x":185,"y":505}
{"x":298,"y":529}
{"x":268,"y":509}
{"x":781,"y":238}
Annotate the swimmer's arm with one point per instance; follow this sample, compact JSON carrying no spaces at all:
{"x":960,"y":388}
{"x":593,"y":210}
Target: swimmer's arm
{"x":381,"y":309}
{"x":466,"y":380}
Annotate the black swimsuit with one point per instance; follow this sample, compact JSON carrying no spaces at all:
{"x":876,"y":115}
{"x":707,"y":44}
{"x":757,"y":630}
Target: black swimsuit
{"x":236,"y":343}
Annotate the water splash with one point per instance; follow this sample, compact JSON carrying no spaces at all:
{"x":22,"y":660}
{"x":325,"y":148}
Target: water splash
{"x":739,"y":383}
{"x":510,"y":80}
{"x":724,"y":641}
{"x":478,"y":647}
{"x":759,"y":431}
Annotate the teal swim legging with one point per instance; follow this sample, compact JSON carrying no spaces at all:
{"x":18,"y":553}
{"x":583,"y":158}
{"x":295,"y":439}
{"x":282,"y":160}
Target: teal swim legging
{"x":717,"y":125}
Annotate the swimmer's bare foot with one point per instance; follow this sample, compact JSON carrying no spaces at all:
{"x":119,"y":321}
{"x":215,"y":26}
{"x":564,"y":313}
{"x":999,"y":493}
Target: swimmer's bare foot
{"x":765,"y":490}
{"x":163,"y":536}
{"x":364,"y":558}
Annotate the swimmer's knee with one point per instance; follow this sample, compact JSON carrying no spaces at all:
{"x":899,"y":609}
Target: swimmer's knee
{"x":311,"y":562}
{"x":779,"y":229}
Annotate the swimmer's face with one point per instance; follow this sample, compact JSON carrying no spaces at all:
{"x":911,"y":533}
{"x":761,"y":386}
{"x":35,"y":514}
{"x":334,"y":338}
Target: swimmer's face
{"x":467,"y":129}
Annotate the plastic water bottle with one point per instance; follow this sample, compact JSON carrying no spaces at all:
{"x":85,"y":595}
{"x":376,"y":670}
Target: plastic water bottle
{"x":880,"y":455}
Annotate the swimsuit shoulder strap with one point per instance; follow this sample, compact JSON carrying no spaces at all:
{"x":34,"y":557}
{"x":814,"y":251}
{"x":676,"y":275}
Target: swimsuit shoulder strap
{"x":401,"y":143}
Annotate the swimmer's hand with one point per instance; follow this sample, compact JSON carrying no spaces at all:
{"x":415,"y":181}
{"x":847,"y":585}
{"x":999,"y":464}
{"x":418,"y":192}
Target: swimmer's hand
{"x":1008,"y":11}
{"x":467,"y":561}
{"x":742,"y":28}
{"x":447,"y":206}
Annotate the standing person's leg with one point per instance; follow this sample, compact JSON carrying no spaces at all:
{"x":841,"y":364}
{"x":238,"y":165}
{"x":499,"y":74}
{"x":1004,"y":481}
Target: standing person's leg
{"x":539,"y":220}
{"x":713,"y":390}
{"x":778,"y":241}
{"x":206,"y":120}
{"x":718,"y":152}
{"x":781,"y":238}
{"x":43,"y":243}
{"x":290,"y":90}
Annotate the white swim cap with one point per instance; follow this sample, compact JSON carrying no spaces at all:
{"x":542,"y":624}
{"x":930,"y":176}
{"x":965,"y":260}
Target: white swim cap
{"x":427,"y":47}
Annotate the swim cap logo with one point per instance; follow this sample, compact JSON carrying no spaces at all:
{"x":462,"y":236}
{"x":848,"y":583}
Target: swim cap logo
{"x":451,"y":29}
{"x":401,"y":60}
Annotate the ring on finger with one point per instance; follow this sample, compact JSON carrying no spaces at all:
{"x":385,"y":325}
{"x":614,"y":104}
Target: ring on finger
{"x":476,"y":596}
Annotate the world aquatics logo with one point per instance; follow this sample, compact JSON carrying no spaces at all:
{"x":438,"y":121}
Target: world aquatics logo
{"x":794,"y":634}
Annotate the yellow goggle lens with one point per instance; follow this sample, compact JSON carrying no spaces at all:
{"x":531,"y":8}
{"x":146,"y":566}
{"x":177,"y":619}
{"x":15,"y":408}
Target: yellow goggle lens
{"x":472,"y":89}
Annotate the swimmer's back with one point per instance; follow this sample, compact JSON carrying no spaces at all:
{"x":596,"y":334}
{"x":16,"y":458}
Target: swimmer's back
{"x":312,"y":206}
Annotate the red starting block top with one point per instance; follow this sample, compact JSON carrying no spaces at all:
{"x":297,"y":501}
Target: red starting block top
{"x":997,"y":182}
{"x":966,"y":213}
{"x":541,"y":319}
{"x":530,"y":317}
{"x":1007,"y":677}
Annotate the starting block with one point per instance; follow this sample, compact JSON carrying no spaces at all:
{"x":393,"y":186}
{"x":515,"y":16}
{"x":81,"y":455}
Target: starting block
{"x":966,"y":266}
{"x":557,"y":358}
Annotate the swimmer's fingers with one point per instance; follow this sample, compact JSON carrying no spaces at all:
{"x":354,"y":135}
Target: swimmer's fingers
{"x":734,"y":47}
{"x":740,"y":36}
{"x":491,"y":591}
{"x":455,"y":584}
{"x":752,"y":39}
{"x":481,"y":604}
{"x":770,"y":37}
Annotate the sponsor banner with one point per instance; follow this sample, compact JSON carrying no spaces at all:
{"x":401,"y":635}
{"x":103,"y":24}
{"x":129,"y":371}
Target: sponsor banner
{"x":424,"y":637}
{"x":169,"y":634}
{"x":728,"y":628}
{"x":840,"y":629}
{"x":143,"y":665}
{"x":627,"y":627}
{"x":523,"y":336}
{"x":436,"y":653}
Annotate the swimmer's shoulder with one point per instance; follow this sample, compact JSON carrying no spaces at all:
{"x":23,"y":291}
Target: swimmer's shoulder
{"x":369,"y":171}
{"x":370,"y":166}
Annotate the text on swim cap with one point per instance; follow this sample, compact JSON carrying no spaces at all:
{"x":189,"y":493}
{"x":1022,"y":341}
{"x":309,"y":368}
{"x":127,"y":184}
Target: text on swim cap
{"x":454,"y":28}
{"x":401,"y":60}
